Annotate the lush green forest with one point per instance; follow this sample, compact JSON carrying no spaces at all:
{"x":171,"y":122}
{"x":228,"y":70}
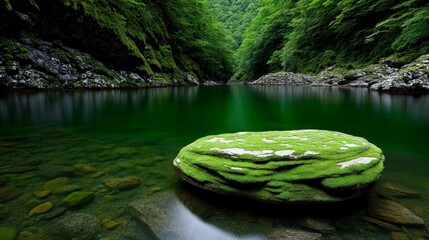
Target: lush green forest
{"x":169,"y":37}
{"x":310,"y":35}
{"x":236,"y":15}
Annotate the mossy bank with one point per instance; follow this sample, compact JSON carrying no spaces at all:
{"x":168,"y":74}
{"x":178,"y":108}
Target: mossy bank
{"x":385,"y":76}
{"x":109,"y":44}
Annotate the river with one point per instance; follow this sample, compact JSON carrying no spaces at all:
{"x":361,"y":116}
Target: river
{"x":89,"y":136}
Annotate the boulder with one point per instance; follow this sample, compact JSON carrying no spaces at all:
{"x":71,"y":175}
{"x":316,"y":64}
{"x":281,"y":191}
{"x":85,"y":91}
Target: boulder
{"x":284,"y":78}
{"x":282,"y":166}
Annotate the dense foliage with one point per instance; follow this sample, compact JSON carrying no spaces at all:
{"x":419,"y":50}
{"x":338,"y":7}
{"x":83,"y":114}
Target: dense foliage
{"x":310,"y":35}
{"x":236,"y":15}
{"x":171,"y":36}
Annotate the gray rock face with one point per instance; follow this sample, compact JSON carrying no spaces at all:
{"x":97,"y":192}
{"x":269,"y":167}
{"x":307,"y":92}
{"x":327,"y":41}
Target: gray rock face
{"x":282,"y":78}
{"x":48,"y":65}
{"x":76,"y":226}
{"x":387,"y":75}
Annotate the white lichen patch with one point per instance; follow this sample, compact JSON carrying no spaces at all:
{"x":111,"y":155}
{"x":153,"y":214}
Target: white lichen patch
{"x":268,"y":140}
{"x":351,"y":145}
{"x":241,"y":151}
{"x":361,"y":160}
{"x":217,"y":139}
{"x":310,"y":153}
{"x":283,"y":153}
{"x":343,"y":148}
{"x":237,"y":168}
{"x":176,"y":162}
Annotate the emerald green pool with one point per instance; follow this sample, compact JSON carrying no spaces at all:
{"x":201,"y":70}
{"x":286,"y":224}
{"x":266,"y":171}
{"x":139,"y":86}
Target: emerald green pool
{"x":89,"y":136}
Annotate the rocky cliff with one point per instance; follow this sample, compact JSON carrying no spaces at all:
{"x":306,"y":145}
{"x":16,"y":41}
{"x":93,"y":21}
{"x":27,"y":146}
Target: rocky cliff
{"x":389,"y":76}
{"x":109,"y":44}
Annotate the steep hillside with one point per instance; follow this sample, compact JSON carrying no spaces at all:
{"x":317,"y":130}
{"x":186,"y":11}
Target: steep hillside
{"x":236,"y":15}
{"x":310,"y":35}
{"x":161,"y":42}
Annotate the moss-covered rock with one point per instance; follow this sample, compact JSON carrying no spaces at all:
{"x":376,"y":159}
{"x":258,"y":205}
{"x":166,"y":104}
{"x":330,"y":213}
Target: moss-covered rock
{"x":8,"y":233}
{"x":282,"y":166}
{"x":77,"y":199}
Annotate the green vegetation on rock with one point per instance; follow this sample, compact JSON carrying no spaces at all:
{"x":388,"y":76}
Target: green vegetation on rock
{"x":311,"y":35}
{"x":8,"y":233}
{"x":177,"y":38}
{"x":77,"y":199}
{"x":282,"y":166}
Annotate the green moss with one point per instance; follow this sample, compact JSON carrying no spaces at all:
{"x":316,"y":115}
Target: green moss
{"x":77,"y":199}
{"x":8,"y":233}
{"x":12,"y":50}
{"x":290,"y":164}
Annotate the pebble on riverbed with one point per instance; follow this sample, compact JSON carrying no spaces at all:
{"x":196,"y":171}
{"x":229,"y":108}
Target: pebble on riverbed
{"x":40,"y":209}
{"x":293,"y":234}
{"x":115,"y":183}
{"x":395,"y":190}
{"x":392,"y":212}
{"x":8,"y":233}
{"x":77,"y":199}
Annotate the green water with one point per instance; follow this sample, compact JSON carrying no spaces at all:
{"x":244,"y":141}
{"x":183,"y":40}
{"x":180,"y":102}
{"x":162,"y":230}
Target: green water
{"x":88,"y":136}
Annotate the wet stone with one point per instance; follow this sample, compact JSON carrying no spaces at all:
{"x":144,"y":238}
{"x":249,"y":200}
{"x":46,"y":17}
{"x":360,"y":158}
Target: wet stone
{"x":110,"y":224}
{"x":381,"y":224}
{"x":399,"y":236}
{"x":318,"y":225}
{"x":29,"y":162}
{"x":122,"y":183}
{"x":42,"y":194}
{"x":292,"y":234}
{"x":392,"y":212}
{"x":8,"y":233}
{"x":18,"y":169}
{"x":76,"y":226}
{"x":9,"y":193}
{"x":60,"y":186}
{"x":55,"y":171}
{"x":77,"y":199}
{"x":56,"y":212}
{"x":395,"y":190}
{"x":3,"y":181}
{"x":40,"y":209}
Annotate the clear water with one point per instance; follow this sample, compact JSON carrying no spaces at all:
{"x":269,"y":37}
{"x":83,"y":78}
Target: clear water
{"x":88,"y":136}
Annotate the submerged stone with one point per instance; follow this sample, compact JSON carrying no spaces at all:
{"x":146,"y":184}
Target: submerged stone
{"x":8,"y":233}
{"x":42,"y":208}
{"x":293,"y":234}
{"x":115,"y":183}
{"x":77,"y":199}
{"x":76,"y":226}
{"x":392,"y":212}
{"x":282,"y":166}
